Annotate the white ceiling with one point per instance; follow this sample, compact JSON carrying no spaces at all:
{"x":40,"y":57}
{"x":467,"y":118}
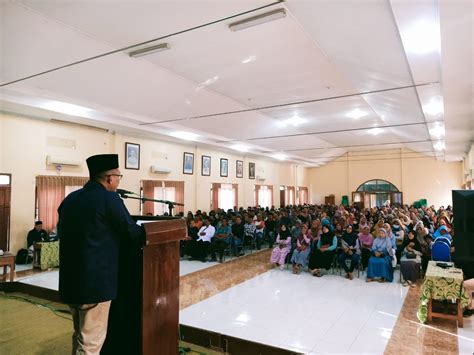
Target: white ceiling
{"x":314,"y":67}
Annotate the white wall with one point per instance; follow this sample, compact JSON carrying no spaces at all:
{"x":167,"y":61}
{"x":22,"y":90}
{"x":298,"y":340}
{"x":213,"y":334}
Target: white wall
{"x":416,"y":175}
{"x":25,"y":143}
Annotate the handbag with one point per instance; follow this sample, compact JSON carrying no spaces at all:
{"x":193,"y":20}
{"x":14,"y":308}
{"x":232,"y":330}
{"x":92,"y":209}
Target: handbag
{"x":411,"y":255}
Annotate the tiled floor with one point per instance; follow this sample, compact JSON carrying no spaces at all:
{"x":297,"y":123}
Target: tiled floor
{"x":300,"y":312}
{"x":50,"y":279}
{"x":304,"y":313}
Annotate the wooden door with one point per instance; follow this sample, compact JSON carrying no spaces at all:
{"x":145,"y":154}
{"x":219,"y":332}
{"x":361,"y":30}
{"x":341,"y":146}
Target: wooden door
{"x":5,"y":192}
{"x":282,"y":198}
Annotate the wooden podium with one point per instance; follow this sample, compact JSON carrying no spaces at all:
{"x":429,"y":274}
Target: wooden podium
{"x":144,"y":319}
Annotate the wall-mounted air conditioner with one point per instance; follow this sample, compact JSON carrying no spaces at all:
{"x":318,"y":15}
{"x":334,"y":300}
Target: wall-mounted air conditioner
{"x":56,"y":160}
{"x":159,"y":169}
{"x":261,"y":178}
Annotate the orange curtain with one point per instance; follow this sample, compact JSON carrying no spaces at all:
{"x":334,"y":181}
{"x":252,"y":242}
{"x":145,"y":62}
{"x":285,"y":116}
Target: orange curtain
{"x":50,"y":192}
{"x":215,"y":196}
{"x":288,"y":189}
{"x":303,"y":195}
{"x":257,"y":193}
{"x":270,"y":187}
{"x":179,"y":194}
{"x":148,"y":187}
{"x":235,"y":187}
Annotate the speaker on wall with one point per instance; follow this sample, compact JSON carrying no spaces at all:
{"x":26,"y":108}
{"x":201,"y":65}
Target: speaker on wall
{"x":463,"y":215}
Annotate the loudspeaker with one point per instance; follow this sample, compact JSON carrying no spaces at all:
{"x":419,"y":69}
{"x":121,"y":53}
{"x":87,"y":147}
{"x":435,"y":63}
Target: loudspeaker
{"x":463,"y":214}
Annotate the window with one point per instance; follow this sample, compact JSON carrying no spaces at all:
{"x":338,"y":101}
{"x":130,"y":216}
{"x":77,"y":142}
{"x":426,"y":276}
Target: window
{"x":226,"y":197}
{"x":263,"y":195}
{"x":162,"y":190}
{"x":163,"y":193}
{"x":377,"y":186}
{"x":50,"y":191}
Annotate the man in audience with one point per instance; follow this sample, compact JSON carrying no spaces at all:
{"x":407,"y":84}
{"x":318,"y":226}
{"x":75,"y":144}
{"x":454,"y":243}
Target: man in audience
{"x":219,"y":242}
{"x":37,"y":234}
{"x":237,"y":236}
{"x":93,"y":221}
{"x":205,"y":234}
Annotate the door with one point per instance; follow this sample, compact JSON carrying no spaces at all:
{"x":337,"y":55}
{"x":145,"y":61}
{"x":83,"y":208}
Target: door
{"x":282,"y":196}
{"x":5,"y":192}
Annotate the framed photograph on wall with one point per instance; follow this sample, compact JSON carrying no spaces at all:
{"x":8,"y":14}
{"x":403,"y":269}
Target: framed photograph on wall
{"x":132,"y":156}
{"x":224,"y":167}
{"x":239,"y":168}
{"x":188,"y":163}
{"x":251,"y":170}
{"x":205,"y":165}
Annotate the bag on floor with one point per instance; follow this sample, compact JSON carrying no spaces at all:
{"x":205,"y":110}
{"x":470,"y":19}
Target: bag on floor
{"x":22,"y":256}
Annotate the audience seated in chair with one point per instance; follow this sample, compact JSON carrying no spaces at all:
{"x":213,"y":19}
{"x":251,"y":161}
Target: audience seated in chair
{"x":282,"y":249}
{"x":366,"y":241}
{"x":410,"y":260}
{"x":380,"y":263}
{"x":323,"y":255}
{"x":300,"y":256}
{"x":199,"y":248}
{"x":350,"y":250}
{"x":36,"y":235}
{"x":221,"y":240}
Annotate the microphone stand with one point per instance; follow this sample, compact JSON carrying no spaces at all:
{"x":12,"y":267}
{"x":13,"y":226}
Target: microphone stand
{"x":170,"y":204}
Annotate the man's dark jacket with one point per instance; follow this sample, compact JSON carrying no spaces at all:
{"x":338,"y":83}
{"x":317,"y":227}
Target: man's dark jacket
{"x":92,"y":223}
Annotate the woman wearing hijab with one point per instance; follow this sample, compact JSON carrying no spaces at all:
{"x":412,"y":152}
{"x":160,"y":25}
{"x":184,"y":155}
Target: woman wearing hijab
{"x":350,"y":250}
{"x":323,"y":255}
{"x":366,"y":240}
{"x":424,"y":239}
{"x":380,"y":263}
{"x":283,"y":247}
{"x":411,"y":259}
{"x":299,"y":259}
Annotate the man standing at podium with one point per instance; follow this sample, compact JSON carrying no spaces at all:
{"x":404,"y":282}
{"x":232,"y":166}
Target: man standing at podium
{"x":92,"y":222}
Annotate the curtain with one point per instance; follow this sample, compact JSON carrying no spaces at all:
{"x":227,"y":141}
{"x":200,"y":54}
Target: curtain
{"x":257,"y":193}
{"x":148,"y":187}
{"x":50,"y":192}
{"x":303,"y":195}
{"x":270,"y":188}
{"x":235,"y":187}
{"x":215,"y":196}
{"x":179,"y":193}
{"x":290,"y":195}
{"x":226,"y":197}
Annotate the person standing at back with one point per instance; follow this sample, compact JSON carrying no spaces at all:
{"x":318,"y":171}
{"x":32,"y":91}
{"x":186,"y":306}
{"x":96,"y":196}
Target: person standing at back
{"x":92,"y":223}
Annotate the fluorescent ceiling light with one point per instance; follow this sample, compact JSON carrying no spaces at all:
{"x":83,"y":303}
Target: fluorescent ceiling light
{"x":208,"y":82}
{"x":356,"y":114}
{"x":294,"y":121}
{"x":184,"y":135}
{"x":375,"y":131}
{"x":257,"y":20}
{"x":240,"y":147}
{"x":438,"y":131}
{"x":249,"y":59}
{"x":279,"y":156}
{"x":149,"y":50}
{"x":439,"y":145}
{"x":434,"y":107}
{"x":422,"y":37}
{"x":68,"y":109}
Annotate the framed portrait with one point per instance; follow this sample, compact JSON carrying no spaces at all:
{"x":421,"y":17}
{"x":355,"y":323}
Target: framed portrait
{"x":224,"y":167}
{"x":132,"y":156}
{"x":239,"y":168}
{"x":188,"y":163}
{"x":205,"y":165}
{"x":251,"y":170}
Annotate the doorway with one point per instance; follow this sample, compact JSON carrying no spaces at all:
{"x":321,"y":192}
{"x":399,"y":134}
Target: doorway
{"x":5,"y":197}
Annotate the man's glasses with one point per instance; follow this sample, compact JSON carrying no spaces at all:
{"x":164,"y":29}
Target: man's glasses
{"x":120,"y":176}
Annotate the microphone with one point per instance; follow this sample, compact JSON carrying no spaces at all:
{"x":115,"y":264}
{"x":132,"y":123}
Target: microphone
{"x":124,"y":192}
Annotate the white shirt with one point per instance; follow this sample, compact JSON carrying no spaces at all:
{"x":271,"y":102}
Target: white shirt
{"x":209,"y":230}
